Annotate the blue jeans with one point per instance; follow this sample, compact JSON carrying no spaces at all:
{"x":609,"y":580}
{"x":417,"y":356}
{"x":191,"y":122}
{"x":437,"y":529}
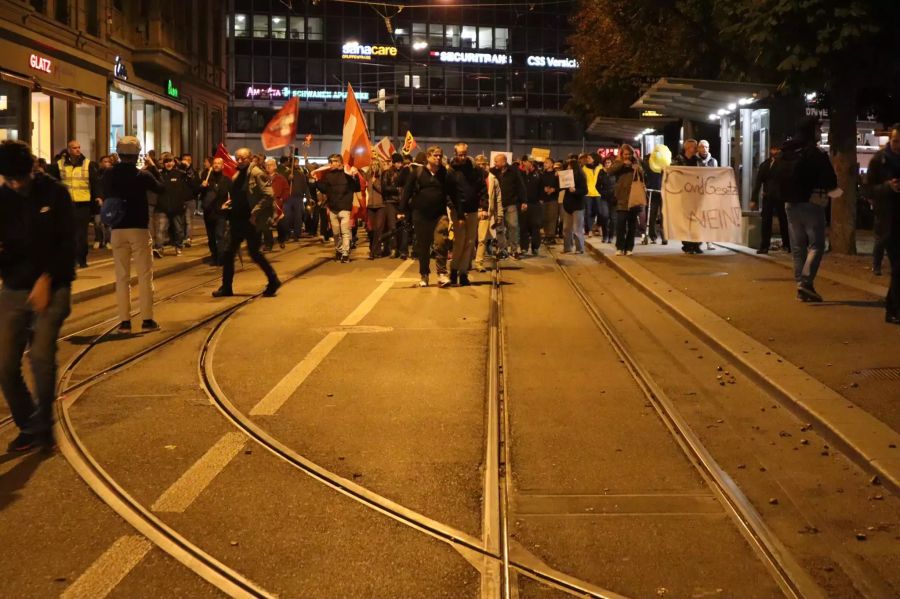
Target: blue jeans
{"x":168,"y":223}
{"x":592,"y":212}
{"x":20,"y":326}
{"x":807,"y":224}
{"x":573,"y":230}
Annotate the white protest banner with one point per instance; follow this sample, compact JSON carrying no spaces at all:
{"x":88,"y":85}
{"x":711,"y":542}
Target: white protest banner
{"x":701,"y":204}
{"x":509,"y":157}
{"x":566,"y":179}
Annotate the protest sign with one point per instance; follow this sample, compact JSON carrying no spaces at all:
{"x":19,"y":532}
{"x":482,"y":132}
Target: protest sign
{"x":701,"y":204}
{"x":566,"y":179}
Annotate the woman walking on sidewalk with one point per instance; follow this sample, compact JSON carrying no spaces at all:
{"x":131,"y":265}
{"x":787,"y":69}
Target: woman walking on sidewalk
{"x":626,"y":170}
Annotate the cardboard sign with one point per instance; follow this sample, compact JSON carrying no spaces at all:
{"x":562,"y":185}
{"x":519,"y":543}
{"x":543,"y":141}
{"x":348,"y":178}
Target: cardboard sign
{"x":566,"y":178}
{"x":540,"y":153}
{"x":701,"y":204}
{"x":509,"y":157}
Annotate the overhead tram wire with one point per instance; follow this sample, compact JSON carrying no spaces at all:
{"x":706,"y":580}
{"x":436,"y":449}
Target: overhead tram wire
{"x":523,"y":4}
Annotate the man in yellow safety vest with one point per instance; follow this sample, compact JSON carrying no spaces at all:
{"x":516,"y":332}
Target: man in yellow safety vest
{"x":81,"y":176}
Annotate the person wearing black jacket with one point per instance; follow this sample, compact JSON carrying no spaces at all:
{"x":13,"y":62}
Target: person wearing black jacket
{"x":390,"y":190}
{"x":573,"y":211}
{"x":607,"y":186}
{"x":803,"y":176}
{"x":214,"y":190}
{"x":339,"y":185}
{"x":688,"y":157}
{"x":883,"y":182}
{"x":513,"y":196}
{"x":37,"y":267}
{"x":251,"y":195}
{"x":532,"y":215}
{"x":170,"y":206}
{"x":186,"y":165}
{"x":549,"y":201}
{"x":130,"y":237}
{"x":771,"y":205}
{"x":427,"y":191}
{"x":469,"y":193}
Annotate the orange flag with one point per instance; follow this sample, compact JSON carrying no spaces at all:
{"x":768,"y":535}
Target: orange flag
{"x":281,"y":129}
{"x":409,"y":144}
{"x":356,"y":148}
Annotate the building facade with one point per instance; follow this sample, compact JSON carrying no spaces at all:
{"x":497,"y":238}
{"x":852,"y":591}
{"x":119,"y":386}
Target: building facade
{"x":449,"y":73}
{"x":96,"y":70}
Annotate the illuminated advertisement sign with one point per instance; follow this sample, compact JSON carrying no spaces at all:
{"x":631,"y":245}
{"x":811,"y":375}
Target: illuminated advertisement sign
{"x":303,"y":94}
{"x":551,"y":62}
{"x":40,"y":63}
{"x":357,"y":51}
{"x":473,"y":57}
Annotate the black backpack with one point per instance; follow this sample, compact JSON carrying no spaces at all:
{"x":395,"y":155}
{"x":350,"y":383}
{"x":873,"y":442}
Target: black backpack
{"x":785,"y":174}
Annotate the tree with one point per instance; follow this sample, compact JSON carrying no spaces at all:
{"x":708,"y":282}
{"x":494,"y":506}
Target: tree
{"x":840,"y":47}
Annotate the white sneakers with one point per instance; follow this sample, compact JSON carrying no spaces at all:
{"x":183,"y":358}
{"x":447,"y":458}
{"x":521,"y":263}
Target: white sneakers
{"x":620,"y":253}
{"x":423,"y":282}
{"x":443,"y":280}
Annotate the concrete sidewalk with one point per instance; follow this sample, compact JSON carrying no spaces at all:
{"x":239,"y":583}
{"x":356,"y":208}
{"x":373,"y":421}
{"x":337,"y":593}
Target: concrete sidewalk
{"x":728,"y":310}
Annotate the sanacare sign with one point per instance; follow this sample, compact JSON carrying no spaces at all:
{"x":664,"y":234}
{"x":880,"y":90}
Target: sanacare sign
{"x":357,"y":51}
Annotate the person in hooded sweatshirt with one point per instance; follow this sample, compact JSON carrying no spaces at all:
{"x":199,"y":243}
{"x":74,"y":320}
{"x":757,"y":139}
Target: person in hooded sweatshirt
{"x":37,"y":267}
{"x":131,"y":236}
{"x":883,"y":180}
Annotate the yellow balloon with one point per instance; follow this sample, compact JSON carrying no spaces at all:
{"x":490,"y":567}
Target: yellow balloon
{"x":660,"y":158}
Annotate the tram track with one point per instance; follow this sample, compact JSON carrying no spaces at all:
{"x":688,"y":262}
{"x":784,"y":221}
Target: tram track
{"x":794,"y":581}
{"x":117,"y":498}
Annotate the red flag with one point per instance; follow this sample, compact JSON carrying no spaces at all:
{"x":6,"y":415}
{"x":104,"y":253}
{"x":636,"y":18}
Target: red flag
{"x":230,"y":167}
{"x":281,"y":129}
{"x":356,"y":148}
{"x":384,"y":149}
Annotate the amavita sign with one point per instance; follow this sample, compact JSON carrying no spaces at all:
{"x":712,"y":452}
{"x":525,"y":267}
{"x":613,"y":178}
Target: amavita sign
{"x":303,"y":94}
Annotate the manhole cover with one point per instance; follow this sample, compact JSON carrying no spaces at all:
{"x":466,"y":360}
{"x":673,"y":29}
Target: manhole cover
{"x":881,"y":374}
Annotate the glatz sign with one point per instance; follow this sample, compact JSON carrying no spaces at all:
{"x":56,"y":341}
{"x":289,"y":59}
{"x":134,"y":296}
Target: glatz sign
{"x":551,"y":62}
{"x":357,"y":51}
{"x":40,"y":63}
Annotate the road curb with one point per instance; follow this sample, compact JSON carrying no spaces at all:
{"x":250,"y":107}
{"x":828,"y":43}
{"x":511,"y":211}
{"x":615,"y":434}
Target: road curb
{"x":868,"y":441}
{"x":103,"y":289}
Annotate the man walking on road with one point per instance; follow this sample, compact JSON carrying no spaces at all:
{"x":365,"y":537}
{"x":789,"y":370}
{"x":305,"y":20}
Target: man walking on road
{"x":884,"y":188}
{"x":428,"y":190}
{"x":804,"y":176}
{"x":251,"y":195}
{"x":338,"y":185}
{"x":771,"y":205}
{"x":131,"y":236}
{"x":214,"y":191}
{"x":469,"y":192}
{"x":80,"y":176}
{"x":512,"y":192}
{"x":37,"y":266}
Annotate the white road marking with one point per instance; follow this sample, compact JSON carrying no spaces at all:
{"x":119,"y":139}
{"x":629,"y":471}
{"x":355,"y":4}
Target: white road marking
{"x":188,"y":487}
{"x":286,"y":387}
{"x":110,"y":568}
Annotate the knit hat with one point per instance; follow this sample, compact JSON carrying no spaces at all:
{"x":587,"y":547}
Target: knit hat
{"x":128,"y":145}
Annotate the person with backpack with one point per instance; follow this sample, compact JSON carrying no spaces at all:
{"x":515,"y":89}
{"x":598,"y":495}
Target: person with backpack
{"x":126,"y":186}
{"x":37,"y":267}
{"x":883,"y":181}
{"x":803,"y":176}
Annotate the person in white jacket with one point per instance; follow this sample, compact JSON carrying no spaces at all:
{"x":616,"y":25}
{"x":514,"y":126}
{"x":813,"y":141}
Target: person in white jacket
{"x":491,"y":215}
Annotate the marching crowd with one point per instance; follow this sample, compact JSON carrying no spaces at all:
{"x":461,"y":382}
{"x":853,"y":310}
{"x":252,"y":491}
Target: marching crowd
{"x":456,"y":210}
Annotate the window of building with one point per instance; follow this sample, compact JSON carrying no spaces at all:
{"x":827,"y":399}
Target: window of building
{"x":485,"y":37}
{"x":280,"y":70}
{"x":501,"y":38}
{"x":279,"y":27}
{"x":116,"y":118}
{"x":260,"y":26}
{"x":419,"y":33}
{"x":242,"y":69}
{"x":61,"y":13}
{"x":261,"y":69}
{"x":40,"y":5}
{"x":298,"y":28}
{"x":86,"y":129}
{"x":469,"y":36}
{"x":451,"y":35}
{"x":240,"y":26}
{"x":92,"y":17}
{"x":414,"y":81}
{"x":314,"y":29}
{"x":165,"y":130}
{"x":401,"y":34}
{"x":435,"y":35}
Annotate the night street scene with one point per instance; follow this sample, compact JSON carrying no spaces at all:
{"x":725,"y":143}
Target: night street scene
{"x":488,"y":299}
